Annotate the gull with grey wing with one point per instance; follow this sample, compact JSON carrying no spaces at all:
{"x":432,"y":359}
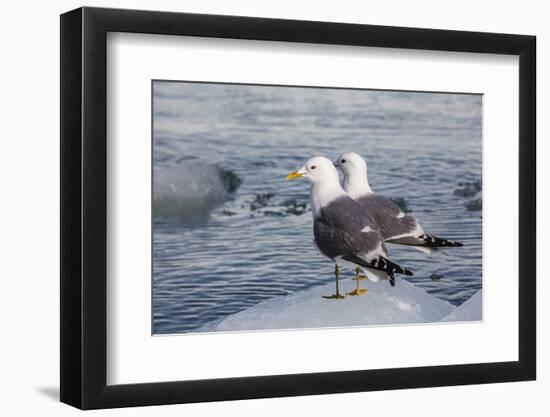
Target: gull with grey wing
{"x":343,"y":232}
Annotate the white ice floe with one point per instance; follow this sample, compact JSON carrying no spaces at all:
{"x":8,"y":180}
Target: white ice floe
{"x":404,"y":303}
{"x":469,"y":310}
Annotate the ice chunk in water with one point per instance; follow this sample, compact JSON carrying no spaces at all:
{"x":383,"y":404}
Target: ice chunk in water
{"x":190,"y":188}
{"x":470,"y":310}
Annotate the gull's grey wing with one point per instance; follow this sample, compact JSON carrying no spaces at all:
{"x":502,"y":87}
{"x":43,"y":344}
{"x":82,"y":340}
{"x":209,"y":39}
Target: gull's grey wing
{"x":342,"y":230}
{"x":392,"y":221}
{"x":398,"y":227}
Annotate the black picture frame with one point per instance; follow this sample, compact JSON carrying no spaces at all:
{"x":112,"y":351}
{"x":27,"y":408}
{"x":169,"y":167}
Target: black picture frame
{"x":84,"y":207}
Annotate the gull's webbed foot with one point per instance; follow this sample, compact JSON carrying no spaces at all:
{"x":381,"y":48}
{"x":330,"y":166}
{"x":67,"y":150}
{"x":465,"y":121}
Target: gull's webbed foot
{"x":334,"y":297}
{"x":358,"y":291}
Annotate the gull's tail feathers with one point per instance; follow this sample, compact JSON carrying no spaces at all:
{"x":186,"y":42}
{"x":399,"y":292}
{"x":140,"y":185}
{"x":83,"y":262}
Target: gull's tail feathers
{"x":382,"y":264}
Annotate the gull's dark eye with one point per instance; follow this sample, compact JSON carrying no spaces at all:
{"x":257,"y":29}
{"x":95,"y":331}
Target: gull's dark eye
{"x":343,"y":161}
{"x":312,"y":167}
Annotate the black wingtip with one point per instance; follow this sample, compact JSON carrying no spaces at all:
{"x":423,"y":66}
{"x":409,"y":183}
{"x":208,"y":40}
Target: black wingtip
{"x":450,"y":243}
{"x":391,"y":277}
{"x":438,"y":242}
{"x":382,"y":264}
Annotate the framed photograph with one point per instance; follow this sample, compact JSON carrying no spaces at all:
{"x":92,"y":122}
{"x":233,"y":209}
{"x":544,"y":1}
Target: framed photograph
{"x":258,"y":208}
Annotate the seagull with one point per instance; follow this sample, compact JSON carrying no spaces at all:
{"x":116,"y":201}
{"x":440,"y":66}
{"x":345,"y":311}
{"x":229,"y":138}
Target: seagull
{"x":343,"y":232}
{"x":395,"y":226}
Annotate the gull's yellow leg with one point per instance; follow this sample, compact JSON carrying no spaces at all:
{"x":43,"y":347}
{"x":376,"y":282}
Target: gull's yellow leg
{"x":357,"y":290}
{"x":336,"y":296}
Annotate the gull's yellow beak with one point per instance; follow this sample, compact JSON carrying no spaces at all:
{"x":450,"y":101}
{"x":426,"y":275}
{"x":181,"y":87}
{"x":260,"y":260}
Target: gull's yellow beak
{"x":293,"y":175}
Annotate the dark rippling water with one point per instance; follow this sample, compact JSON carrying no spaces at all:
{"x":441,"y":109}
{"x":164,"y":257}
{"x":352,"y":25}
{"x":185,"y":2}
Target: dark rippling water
{"x":248,"y":238}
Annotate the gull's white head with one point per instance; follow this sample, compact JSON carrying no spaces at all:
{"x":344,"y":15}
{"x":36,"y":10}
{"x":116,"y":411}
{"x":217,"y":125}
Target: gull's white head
{"x":351,"y":163}
{"x":325,"y":183}
{"x":317,"y":170}
{"x":354,"y":168}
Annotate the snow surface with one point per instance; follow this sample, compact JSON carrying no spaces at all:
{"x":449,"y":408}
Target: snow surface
{"x":404,"y":303}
